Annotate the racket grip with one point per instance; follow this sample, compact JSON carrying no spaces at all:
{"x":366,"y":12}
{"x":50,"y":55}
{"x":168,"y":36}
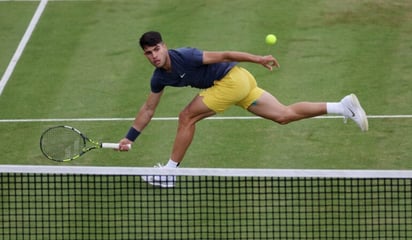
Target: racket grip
{"x":114,"y":145}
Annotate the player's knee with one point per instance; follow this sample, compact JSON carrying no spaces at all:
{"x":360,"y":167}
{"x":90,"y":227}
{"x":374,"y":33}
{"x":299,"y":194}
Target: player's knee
{"x":282,"y":120}
{"x":286,"y":117}
{"x":184,"y":117}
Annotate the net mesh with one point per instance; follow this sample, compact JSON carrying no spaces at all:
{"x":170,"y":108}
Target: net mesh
{"x":69,"y":205}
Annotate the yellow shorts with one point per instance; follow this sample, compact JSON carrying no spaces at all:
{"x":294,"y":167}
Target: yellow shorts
{"x":238,"y":87}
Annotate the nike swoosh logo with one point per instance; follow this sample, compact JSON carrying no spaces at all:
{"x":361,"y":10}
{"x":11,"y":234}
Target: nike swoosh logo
{"x":183,"y":75}
{"x":353,"y":114}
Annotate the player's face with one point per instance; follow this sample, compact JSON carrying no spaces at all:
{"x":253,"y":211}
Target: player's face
{"x":157,"y":55}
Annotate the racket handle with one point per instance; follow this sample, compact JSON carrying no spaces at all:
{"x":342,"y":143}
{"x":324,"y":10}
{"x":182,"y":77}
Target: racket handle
{"x":114,"y":145}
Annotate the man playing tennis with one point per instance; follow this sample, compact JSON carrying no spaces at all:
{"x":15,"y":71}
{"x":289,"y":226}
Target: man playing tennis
{"x":223,"y":84}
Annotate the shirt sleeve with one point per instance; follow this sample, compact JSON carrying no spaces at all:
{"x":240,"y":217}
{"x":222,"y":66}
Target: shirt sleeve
{"x":155,"y":84}
{"x":195,"y":55}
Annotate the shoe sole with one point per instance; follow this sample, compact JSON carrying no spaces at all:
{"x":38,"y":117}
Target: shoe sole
{"x":164,"y":184}
{"x":360,"y":112}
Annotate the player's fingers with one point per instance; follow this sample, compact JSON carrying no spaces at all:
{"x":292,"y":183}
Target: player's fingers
{"x":275,"y":63}
{"x":269,"y":62}
{"x":123,"y":147}
{"x":268,"y":66}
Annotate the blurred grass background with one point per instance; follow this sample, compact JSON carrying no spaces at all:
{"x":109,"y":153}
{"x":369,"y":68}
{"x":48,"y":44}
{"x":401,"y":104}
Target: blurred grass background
{"x":83,"y":61}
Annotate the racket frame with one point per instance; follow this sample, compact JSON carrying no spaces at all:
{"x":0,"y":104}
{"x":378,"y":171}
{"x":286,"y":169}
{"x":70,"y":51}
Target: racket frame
{"x":85,"y":148}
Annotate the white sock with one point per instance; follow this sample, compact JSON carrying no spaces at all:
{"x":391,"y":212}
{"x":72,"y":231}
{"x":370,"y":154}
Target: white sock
{"x":172,"y":164}
{"x":334,"y":108}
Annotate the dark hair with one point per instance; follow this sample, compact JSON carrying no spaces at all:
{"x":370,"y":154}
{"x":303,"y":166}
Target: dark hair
{"x":150,"y":39}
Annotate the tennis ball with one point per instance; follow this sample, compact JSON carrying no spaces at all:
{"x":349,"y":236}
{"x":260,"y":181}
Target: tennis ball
{"x":270,"y":39}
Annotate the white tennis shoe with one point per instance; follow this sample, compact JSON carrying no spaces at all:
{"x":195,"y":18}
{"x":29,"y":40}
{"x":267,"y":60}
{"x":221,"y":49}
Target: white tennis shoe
{"x":354,"y":111}
{"x":166,"y":181}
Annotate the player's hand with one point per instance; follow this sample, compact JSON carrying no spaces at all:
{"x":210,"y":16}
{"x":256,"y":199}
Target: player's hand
{"x":269,"y":62}
{"x":124,"y":144}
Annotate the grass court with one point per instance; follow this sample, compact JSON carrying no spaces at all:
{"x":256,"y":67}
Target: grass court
{"x":83,"y":62}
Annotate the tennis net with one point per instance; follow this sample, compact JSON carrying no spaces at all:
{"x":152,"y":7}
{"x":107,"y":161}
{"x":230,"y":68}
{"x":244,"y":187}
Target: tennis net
{"x":61,"y":202}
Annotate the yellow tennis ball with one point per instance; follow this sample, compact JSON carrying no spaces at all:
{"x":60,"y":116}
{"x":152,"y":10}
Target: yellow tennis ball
{"x":270,"y":39}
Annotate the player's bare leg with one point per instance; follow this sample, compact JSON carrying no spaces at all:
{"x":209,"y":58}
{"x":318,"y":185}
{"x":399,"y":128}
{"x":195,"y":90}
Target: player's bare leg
{"x":191,"y":114}
{"x":194,"y":112}
{"x":267,"y":106}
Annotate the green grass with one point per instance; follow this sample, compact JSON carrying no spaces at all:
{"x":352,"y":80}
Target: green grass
{"x":83,"y":61}
{"x":14,"y":18}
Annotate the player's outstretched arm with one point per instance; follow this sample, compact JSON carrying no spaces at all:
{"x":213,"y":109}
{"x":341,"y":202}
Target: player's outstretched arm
{"x":267,"y":61}
{"x":143,"y":117}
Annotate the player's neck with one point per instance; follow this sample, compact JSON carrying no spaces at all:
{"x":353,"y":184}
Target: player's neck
{"x":168,"y":64}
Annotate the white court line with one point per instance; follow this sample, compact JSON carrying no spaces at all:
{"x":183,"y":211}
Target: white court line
{"x":168,"y":119}
{"x":22,"y":45}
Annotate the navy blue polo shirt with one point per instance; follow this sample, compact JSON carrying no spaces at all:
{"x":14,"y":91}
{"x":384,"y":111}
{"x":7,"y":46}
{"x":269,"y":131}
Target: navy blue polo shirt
{"x":188,"y":70}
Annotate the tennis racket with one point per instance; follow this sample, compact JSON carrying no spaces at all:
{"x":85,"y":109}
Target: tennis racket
{"x":65,"y":143}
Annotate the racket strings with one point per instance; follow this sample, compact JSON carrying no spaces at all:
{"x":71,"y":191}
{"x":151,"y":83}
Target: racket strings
{"x":62,"y":143}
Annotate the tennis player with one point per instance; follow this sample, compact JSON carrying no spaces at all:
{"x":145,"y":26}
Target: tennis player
{"x":223,"y":83}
